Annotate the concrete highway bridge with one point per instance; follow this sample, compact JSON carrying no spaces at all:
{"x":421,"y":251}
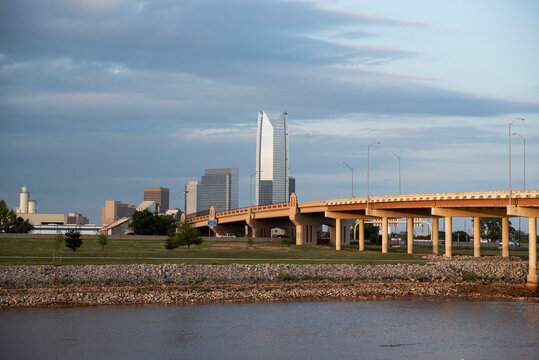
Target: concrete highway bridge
{"x":302,"y":219}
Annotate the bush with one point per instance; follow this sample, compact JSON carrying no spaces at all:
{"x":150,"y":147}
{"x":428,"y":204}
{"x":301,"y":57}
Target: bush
{"x":73,"y":239}
{"x":102,"y":240}
{"x":187,"y":236}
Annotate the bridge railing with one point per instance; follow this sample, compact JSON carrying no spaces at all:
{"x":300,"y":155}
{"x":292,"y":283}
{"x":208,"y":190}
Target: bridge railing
{"x":192,"y":216}
{"x":203,"y":215}
{"x":516,"y":194}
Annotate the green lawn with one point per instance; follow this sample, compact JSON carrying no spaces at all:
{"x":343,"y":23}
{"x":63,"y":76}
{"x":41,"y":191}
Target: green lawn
{"x":129,"y":251}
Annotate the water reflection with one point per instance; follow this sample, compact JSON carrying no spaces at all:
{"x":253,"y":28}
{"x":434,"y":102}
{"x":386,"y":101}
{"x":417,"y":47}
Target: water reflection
{"x":403,"y":329}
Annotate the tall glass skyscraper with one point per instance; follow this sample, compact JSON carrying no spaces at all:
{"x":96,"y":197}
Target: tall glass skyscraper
{"x":271,"y":160}
{"x":218,"y":188}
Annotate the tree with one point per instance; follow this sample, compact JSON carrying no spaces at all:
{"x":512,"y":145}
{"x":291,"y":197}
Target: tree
{"x":491,"y":229}
{"x":372,"y":233}
{"x":161,"y":224}
{"x":171,"y":242}
{"x":102,"y":240}
{"x":11,"y":223}
{"x":146,"y":223}
{"x":142,"y":223}
{"x":58,"y":240}
{"x":459,"y":236}
{"x":4,"y":216}
{"x":73,"y":239}
{"x":186,"y":235}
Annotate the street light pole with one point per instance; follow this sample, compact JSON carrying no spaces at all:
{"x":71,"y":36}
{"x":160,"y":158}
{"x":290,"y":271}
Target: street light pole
{"x":524,"y":159}
{"x":511,"y":123}
{"x":352,"y":170}
{"x":369,"y":165}
{"x":185,"y":199}
{"x":398,"y":157}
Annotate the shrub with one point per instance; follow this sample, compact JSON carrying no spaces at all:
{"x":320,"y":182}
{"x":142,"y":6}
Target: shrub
{"x":102,"y":240}
{"x":73,"y":239}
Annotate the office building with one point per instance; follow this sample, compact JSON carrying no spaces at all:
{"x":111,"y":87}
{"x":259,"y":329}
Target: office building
{"x":291,"y":186}
{"x":218,"y":188}
{"x":115,"y":210}
{"x":159,"y":195}
{"x":75,"y":219}
{"x":272,"y":182}
{"x":147,"y":205}
{"x":191,"y":197}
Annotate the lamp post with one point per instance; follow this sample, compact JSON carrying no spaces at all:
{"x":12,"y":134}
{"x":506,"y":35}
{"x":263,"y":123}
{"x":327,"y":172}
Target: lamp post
{"x":185,"y":199}
{"x":352,"y":170}
{"x":369,"y":165}
{"x":524,"y":160}
{"x":511,"y":123}
{"x":398,"y":157}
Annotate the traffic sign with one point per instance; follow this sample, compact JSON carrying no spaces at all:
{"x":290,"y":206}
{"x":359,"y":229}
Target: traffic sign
{"x":212,"y":222}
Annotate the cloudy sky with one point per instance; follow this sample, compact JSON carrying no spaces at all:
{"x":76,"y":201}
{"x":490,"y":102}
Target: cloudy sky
{"x":101,"y":98}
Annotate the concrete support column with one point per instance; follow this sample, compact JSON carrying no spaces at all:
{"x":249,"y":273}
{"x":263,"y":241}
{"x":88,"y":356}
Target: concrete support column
{"x":299,"y":234}
{"x":384,"y":235}
{"x":505,"y":237}
{"x":448,"y":236}
{"x":410,"y":233}
{"x":311,"y":235}
{"x":532,"y":252}
{"x":361,"y":234}
{"x":435,"y":236}
{"x":338,"y":234}
{"x":477,"y":236}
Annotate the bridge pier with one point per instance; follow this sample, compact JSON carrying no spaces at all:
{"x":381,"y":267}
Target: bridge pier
{"x":410,"y":235}
{"x":384,"y":235}
{"x":338,"y":234}
{"x":448,"y":236}
{"x":435,"y":235}
{"x":505,"y":237}
{"x":361,"y":234}
{"x":532,"y":252}
{"x":306,"y":234}
{"x":476,"y":236}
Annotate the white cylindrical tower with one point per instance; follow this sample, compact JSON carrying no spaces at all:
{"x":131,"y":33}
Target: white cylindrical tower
{"x":32,"y":205}
{"x":23,"y":204}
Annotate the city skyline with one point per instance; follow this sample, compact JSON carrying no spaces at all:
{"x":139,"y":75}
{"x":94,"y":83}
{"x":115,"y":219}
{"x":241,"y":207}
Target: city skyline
{"x":101,"y":99}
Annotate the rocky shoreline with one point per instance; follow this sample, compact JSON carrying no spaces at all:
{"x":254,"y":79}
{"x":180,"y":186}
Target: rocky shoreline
{"x":465,"y":278}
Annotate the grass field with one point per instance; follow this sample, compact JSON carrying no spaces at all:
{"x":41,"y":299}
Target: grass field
{"x":129,"y":251}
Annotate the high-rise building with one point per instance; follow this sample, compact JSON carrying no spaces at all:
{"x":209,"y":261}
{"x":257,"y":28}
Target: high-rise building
{"x":159,"y":195}
{"x":218,"y":188}
{"x":291,"y":186}
{"x":76,"y":219}
{"x":191,"y":197}
{"x":272,"y":183}
{"x":115,"y":210}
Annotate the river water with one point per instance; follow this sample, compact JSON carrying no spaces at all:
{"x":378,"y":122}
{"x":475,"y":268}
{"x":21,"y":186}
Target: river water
{"x":310,"y":330}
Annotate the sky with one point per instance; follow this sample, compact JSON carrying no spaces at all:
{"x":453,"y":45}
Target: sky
{"x":101,"y":98}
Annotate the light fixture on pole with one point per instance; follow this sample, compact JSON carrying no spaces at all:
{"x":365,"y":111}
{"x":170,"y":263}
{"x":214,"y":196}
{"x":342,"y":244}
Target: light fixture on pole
{"x":398,"y":157}
{"x":185,"y":192}
{"x":524,"y":160}
{"x":352,"y":170}
{"x":369,"y":164}
{"x":511,"y":123}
